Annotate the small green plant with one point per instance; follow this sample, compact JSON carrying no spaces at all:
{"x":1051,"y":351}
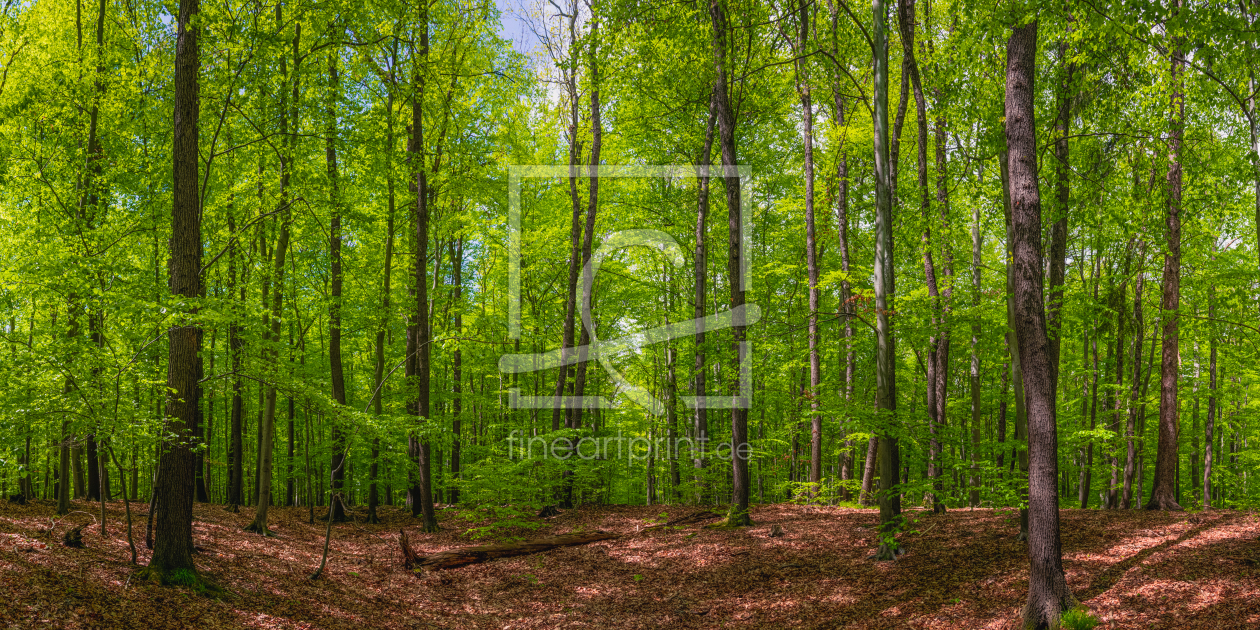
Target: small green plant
{"x":1078,"y":619}
{"x":638,"y":577}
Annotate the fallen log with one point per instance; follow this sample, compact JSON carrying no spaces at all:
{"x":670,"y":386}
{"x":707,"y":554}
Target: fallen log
{"x":464,"y":556}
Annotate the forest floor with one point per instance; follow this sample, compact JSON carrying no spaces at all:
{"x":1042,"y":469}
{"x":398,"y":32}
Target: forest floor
{"x":961,"y":570}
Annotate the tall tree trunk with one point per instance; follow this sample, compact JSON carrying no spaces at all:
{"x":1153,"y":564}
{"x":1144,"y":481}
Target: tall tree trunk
{"x":885,"y":289}
{"x":724,"y":111}
{"x":575,"y":156}
{"x":1048,"y":594}
{"x":811,"y":250}
{"x":1090,"y":351}
{"x":235,"y":450}
{"x":172,"y":546}
{"x":846,"y":310}
{"x":335,"y":372}
{"x":420,"y":447}
{"x":378,"y":373}
{"x":1020,"y":455}
{"x":457,"y":373}
{"x":700,"y":419}
{"x":1059,"y":229}
{"x":977,"y":247}
{"x":1129,"y":460}
{"x":588,"y":235}
{"x":910,"y":65}
{"x":1212,"y":406}
{"x":1163,"y":494}
{"x":267,"y":425}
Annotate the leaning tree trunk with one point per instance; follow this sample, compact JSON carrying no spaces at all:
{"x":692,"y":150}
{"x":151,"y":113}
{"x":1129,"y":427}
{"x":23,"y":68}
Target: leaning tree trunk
{"x":1164,"y":493}
{"x":734,"y":264}
{"x":1048,"y":594}
{"x":172,"y":546}
{"x":885,"y":288}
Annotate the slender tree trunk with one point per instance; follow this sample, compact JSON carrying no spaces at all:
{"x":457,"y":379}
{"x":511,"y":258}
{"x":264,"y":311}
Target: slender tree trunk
{"x":172,"y":546}
{"x":378,"y":373}
{"x":977,"y":246}
{"x":734,"y":267}
{"x":424,"y":492}
{"x":1130,"y":454}
{"x":266,"y":427}
{"x":1048,"y":594}
{"x":803,"y":89}
{"x":700,"y":419}
{"x":1209,"y":426}
{"x":1163,"y":495}
{"x":457,"y":373}
{"x":885,"y":289}
{"x":335,"y":373}
{"x":575,"y":261}
{"x":1059,"y":229}
{"x":592,"y":208}
{"x":1020,"y":455}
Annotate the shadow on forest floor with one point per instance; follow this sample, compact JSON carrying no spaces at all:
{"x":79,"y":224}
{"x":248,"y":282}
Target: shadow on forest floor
{"x":962,"y":570}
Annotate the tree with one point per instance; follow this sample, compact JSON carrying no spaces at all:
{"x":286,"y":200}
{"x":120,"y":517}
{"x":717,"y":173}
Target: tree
{"x":1163,"y":496}
{"x":172,"y":541}
{"x":1048,"y":594}
{"x":738,"y":515}
{"x":885,"y":289}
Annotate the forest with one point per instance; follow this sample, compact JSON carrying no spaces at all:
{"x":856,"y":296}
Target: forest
{"x":618,"y":313}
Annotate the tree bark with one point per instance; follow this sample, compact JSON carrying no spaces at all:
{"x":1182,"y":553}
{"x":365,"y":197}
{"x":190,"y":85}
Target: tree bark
{"x":910,"y":66}
{"x":700,"y":419}
{"x":1048,"y":594}
{"x":885,"y":289}
{"x":378,"y":373}
{"x":1163,"y":495}
{"x":1134,"y":390}
{"x":734,"y":264}
{"x":335,"y":372}
{"x":172,"y":546}
{"x":420,"y":446}
{"x":266,"y":427}
{"x":457,"y":373}
{"x":803,"y":89}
